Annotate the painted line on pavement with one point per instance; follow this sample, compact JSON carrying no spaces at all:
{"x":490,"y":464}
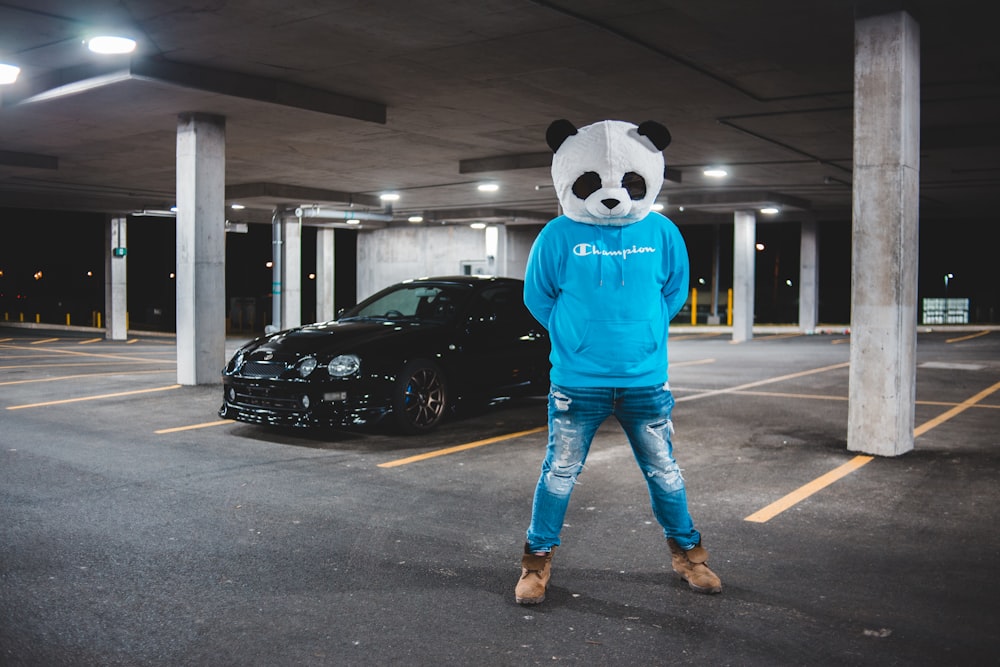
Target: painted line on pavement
{"x":823,"y":481}
{"x":192,"y":427}
{"x":969,"y":337}
{"x":459,"y":448}
{"x":93,"y":398}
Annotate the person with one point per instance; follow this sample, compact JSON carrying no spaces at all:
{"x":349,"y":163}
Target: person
{"x":605,"y":278}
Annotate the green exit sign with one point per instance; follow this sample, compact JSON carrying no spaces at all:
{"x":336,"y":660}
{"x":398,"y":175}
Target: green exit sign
{"x":120,"y":252}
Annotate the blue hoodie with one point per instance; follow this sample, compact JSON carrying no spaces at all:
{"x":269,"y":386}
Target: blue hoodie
{"x":606,"y":294}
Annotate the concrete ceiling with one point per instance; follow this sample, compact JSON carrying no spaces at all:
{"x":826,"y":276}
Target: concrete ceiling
{"x":333,"y":102}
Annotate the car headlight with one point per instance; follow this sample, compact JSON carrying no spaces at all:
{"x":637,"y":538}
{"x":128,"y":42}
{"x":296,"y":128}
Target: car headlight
{"x":307,"y":366}
{"x":235,"y":362}
{"x":344,"y":365}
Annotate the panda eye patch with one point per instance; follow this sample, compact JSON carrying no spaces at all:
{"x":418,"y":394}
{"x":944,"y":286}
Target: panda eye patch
{"x":587,"y":184}
{"x":635,"y":185}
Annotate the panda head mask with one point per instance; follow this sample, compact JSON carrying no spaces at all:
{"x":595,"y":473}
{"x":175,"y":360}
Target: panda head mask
{"x":607,"y":173}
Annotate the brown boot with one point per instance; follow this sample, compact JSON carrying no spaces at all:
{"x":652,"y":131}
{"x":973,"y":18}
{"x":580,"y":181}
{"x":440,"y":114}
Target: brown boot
{"x":690,"y":565}
{"x":535,"y":573}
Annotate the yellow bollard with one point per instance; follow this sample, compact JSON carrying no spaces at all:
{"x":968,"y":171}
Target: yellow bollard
{"x":67,"y":319}
{"x":694,"y":306}
{"x":98,"y":319}
{"x":22,"y":317}
{"x":38,"y":318}
{"x":729,"y":309}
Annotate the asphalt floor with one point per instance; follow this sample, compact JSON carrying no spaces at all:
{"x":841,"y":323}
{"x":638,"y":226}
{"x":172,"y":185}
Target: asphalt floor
{"x":136,"y":528}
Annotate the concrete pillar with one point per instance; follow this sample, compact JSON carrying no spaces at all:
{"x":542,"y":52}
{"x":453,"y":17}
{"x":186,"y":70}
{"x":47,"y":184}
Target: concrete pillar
{"x":808,"y":277}
{"x":744,"y":268}
{"x":885,"y":234}
{"x":325,"y":274}
{"x":291,"y":271}
{"x":115,"y":282}
{"x":201,"y":248}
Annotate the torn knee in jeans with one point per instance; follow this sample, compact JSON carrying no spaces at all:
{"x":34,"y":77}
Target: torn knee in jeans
{"x":561,"y":401}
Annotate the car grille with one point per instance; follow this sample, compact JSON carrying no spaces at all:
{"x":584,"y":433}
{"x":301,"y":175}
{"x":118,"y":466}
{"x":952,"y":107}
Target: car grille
{"x":263,"y":369}
{"x":262,"y":398}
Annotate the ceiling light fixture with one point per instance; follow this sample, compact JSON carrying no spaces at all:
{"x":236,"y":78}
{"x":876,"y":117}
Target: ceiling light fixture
{"x":237,"y":207}
{"x":111,"y":44}
{"x":415,"y":218}
{"x":478,"y":225}
{"x":769,"y":210}
{"x":8,"y":73}
{"x":488,"y":187}
{"x":657,"y":207}
{"x":715,"y":172}
{"x":389,"y":196}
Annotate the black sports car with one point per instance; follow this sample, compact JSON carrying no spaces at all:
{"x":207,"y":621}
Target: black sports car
{"x":411,"y":352}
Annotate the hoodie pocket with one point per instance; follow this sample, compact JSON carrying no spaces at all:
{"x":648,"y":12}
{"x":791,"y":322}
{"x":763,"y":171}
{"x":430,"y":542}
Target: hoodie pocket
{"x":618,"y":343}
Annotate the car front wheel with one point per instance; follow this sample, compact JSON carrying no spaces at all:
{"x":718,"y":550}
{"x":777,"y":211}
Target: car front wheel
{"x":420,"y":397}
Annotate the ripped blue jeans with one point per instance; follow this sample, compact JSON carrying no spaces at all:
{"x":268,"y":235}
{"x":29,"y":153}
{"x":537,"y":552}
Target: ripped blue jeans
{"x":575,"y":413}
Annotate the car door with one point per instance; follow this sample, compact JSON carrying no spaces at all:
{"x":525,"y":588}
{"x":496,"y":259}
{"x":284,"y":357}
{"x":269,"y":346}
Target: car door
{"x":506,"y":346}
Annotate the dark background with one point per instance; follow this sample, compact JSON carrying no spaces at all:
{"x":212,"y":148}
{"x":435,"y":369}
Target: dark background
{"x":68,"y":249}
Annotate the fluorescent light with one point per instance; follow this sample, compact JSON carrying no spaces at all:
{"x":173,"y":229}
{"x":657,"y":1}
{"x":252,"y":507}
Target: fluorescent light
{"x":488,"y":187}
{"x":657,"y":207}
{"x":478,"y":225}
{"x":715,"y":172}
{"x":8,"y":73}
{"x":769,"y":210}
{"x":237,"y":207}
{"x":389,"y":196}
{"x":415,"y":218}
{"x":111,"y":44}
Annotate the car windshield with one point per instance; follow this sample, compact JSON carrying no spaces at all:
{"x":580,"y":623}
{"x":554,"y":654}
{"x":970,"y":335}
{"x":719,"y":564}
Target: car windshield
{"x":422,"y":303}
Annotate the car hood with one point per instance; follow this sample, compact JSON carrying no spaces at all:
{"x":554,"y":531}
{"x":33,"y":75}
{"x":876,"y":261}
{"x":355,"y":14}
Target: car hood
{"x":329,"y":338}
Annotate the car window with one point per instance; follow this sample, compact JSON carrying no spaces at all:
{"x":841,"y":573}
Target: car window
{"x":432,"y":303}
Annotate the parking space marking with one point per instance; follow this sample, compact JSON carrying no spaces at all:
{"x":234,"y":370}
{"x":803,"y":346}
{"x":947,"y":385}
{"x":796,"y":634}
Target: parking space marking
{"x":89,"y":341}
{"x":964,"y":338}
{"x":459,"y":448}
{"x":82,"y":375}
{"x":192,"y":427}
{"x":741,"y":387}
{"x":44,"y":340}
{"x":958,"y":409}
{"x":90,"y":355}
{"x":823,"y":481}
{"x":803,"y":492}
{"x":92,"y":398}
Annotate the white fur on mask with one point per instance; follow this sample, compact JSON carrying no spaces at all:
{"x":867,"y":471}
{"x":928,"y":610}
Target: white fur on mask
{"x":610,"y":149}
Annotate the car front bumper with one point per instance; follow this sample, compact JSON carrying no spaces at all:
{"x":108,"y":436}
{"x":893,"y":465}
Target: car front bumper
{"x":277,"y":403}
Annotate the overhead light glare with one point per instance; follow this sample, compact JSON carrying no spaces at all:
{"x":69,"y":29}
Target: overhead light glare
{"x":716,"y":172}
{"x":415,"y":218}
{"x":657,"y":207}
{"x":237,"y":207}
{"x":488,"y":187}
{"x":111,"y":44}
{"x":389,"y":196}
{"x":769,"y":210}
{"x":8,"y":73}
{"x":478,"y":225}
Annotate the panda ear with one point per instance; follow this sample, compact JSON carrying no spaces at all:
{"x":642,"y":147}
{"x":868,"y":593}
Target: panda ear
{"x":558,"y":132}
{"x":655,"y":132}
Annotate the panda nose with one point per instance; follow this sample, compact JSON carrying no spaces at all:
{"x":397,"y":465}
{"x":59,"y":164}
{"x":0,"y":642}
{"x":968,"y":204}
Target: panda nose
{"x":610,"y":203}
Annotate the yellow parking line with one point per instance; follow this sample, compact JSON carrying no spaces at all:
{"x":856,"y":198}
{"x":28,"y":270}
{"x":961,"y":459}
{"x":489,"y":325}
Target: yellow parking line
{"x":81,"y":375}
{"x":969,"y":337}
{"x":193,"y":426}
{"x":823,"y":481}
{"x":89,"y":341}
{"x":961,"y":407}
{"x":803,"y":492}
{"x":92,"y":398}
{"x":459,"y":448}
{"x":45,"y":340}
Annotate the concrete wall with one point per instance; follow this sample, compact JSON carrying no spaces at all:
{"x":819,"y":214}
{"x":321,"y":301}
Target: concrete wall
{"x":387,"y":256}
